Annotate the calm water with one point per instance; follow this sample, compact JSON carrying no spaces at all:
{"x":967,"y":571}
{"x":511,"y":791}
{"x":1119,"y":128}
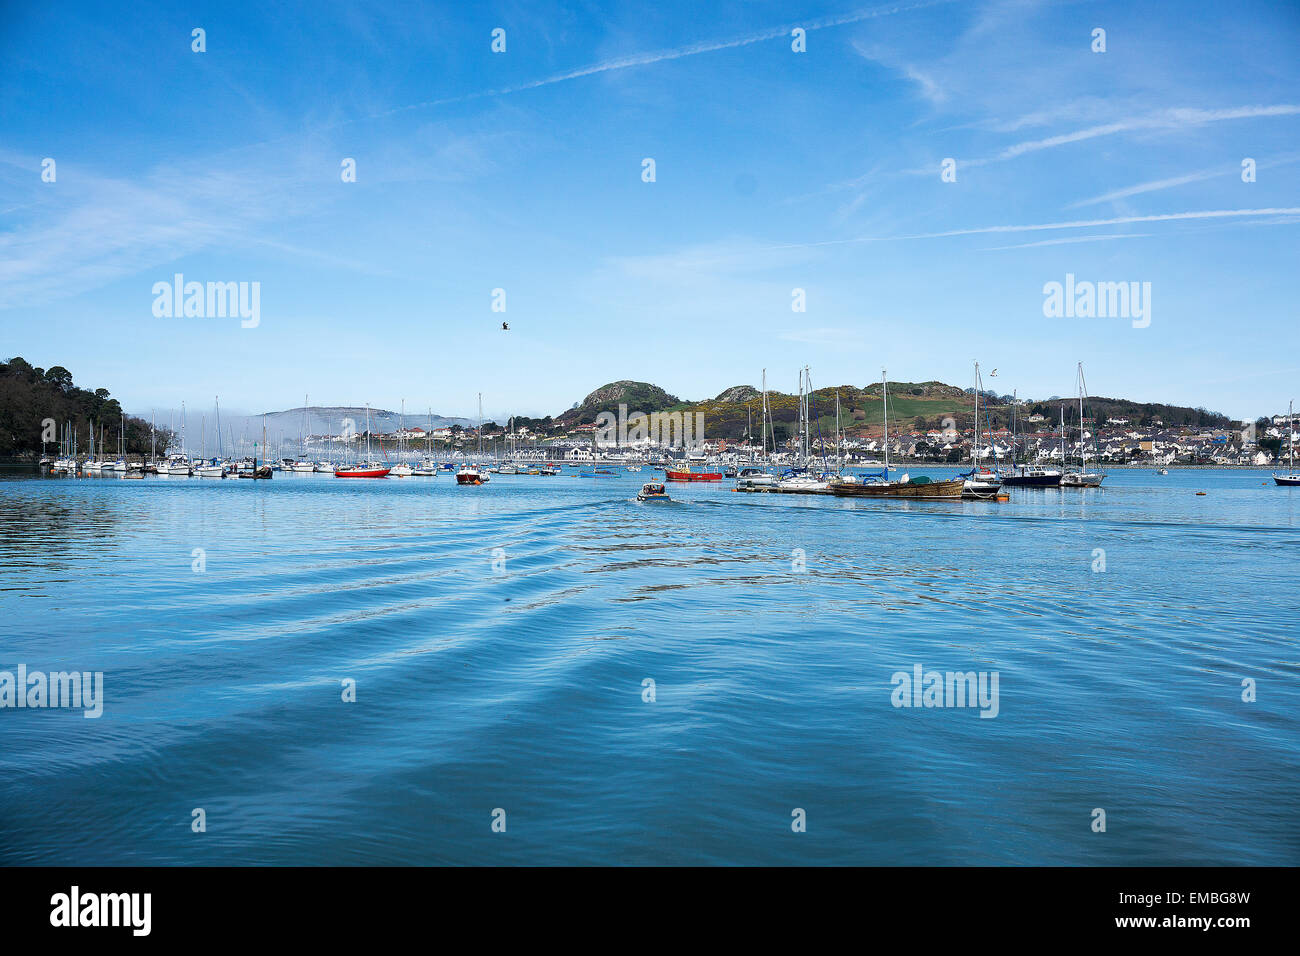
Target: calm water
{"x":521,"y":688}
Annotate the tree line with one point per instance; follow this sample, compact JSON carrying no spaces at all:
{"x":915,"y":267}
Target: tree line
{"x":31,"y":397}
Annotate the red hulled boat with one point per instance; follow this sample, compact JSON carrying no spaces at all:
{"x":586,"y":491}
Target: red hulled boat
{"x":685,"y":474}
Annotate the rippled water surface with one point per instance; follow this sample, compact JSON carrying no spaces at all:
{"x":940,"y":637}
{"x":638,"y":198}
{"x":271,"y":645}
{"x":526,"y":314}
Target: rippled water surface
{"x":521,"y":687}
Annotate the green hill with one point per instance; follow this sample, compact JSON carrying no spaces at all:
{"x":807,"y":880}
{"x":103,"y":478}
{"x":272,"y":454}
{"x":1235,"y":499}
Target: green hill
{"x":915,"y":406}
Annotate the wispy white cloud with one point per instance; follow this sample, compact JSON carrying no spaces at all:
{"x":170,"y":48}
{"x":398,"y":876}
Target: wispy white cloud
{"x":1174,"y":181}
{"x":1072,"y":239}
{"x":1075,"y":224}
{"x":1181,"y":118}
{"x":677,"y":53}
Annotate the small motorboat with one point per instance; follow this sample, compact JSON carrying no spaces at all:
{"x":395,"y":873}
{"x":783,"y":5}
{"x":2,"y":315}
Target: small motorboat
{"x":652,"y":491}
{"x":469,"y":475}
{"x":1162,"y":471}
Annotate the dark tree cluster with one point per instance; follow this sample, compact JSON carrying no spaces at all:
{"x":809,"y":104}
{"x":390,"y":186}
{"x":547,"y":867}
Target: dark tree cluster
{"x":29,"y":396}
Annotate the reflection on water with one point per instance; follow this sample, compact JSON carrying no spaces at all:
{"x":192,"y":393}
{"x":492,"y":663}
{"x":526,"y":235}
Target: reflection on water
{"x":514,"y":677}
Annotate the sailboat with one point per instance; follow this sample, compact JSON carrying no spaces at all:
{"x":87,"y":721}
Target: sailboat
{"x":755,"y":478}
{"x":1292,"y":479}
{"x":475,"y":474}
{"x":210,"y":467}
{"x":980,"y":481}
{"x":427,"y":467}
{"x":1083,"y":478}
{"x":120,"y":464}
{"x":301,"y":465}
{"x":179,"y":465}
{"x":401,"y":469}
{"x":880,"y":486}
{"x":366,"y":469}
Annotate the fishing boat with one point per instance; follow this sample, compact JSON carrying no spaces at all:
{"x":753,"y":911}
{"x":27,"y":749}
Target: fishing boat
{"x":550,"y":469}
{"x":684,"y":473}
{"x":1024,"y":475}
{"x":470,"y":475}
{"x":1293,"y":478}
{"x":1083,"y":478}
{"x":1032,"y":476}
{"x":653,"y":491}
{"x":980,"y":481}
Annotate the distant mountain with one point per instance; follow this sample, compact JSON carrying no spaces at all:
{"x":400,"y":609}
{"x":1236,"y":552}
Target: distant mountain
{"x":328,"y":420}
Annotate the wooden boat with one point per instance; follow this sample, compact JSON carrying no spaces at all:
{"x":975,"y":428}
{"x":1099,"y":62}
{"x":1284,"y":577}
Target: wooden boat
{"x":652,"y":491}
{"x":919,"y":487}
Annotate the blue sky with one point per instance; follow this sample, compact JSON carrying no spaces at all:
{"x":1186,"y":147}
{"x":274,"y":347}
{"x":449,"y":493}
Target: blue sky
{"x":775,"y":170}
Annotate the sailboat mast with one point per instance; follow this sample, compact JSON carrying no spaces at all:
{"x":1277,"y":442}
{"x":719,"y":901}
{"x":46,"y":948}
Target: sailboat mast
{"x":1083,"y":446}
{"x":977,"y":415}
{"x":884,"y":392}
{"x":1062,"y":437}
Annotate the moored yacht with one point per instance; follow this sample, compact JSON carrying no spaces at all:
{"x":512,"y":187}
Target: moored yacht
{"x":1292,"y":479}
